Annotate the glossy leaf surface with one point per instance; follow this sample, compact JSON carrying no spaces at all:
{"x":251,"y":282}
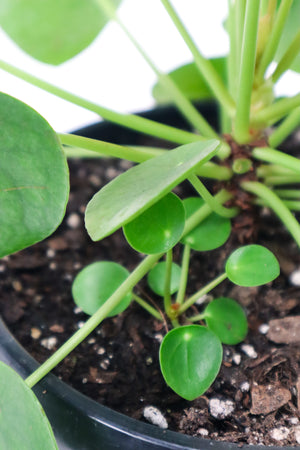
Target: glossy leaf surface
{"x":227,"y":319}
{"x":157,"y":275}
{"x":211,"y":233}
{"x":34,"y":181}
{"x":190,"y":82}
{"x":23,"y":423}
{"x":252,"y":265}
{"x":190,"y":359}
{"x":96,"y":283}
{"x":158,"y":228}
{"x":52,"y":31}
{"x":131,"y":193}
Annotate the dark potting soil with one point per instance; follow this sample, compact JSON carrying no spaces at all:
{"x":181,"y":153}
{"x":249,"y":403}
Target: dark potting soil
{"x":255,"y":398}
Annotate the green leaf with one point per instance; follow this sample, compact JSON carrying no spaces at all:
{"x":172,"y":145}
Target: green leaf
{"x":290,"y":29}
{"x":52,"y":31}
{"x":190,"y":82}
{"x":227,"y":319}
{"x":23,"y":423}
{"x":157,"y":275}
{"x":96,"y":283}
{"x":158,"y":228}
{"x":211,"y":233}
{"x":190,"y":359}
{"x":131,"y":193}
{"x":34,"y":184}
{"x":252,"y":265}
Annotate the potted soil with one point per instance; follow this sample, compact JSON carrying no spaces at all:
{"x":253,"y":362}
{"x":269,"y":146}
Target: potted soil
{"x":228,"y":228}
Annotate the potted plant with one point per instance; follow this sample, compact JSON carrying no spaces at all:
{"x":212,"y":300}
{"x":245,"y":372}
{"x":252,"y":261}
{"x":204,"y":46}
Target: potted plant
{"x":247,"y":169}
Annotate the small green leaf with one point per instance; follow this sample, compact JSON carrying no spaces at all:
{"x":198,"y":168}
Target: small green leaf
{"x":34,"y":181}
{"x":157,"y":275}
{"x":190,"y":82}
{"x":227,"y":319}
{"x":23,"y":423}
{"x":52,"y":31}
{"x":96,"y":283}
{"x":190,"y":359}
{"x":211,"y":233}
{"x":252,"y":265}
{"x":120,"y":201}
{"x":158,"y":228}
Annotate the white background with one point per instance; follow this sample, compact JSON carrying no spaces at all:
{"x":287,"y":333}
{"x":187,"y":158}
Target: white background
{"x":111,"y":72}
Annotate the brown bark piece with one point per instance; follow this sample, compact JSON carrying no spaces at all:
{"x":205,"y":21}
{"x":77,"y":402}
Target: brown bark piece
{"x":298,"y":392}
{"x":285,"y":331}
{"x":266,"y":399}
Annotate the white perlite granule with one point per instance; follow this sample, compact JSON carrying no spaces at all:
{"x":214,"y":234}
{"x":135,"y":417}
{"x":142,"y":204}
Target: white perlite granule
{"x":295,"y":278}
{"x":279,"y":434}
{"x":219,"y":408}
{"x":154,"y":416}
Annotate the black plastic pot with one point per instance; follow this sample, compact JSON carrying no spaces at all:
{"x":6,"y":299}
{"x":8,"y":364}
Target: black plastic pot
{"x":80,"y":423}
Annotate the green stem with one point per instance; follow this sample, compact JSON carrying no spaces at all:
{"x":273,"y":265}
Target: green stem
{"x":190,"y":301}
{"x":277,"y":157}
{"x":137,"y":123}
{"x":184,"y":274}
{"x":197,"y":318}
{"x":283,"y":130}
{"x":274,"y":38}
{"x":208,"y":198}
{"x":287,"y":59}
{"x":242,"y":122}
{"x":134,"y":154}
{"x":270,"y":170}
{"x":167,"y":287}
{"x":276,"y":111}
{"x":288,"y":193}
{"x":183,"y":104}
{"x":93,"y":321}
{"x":274,"y":202}
{"x":147,"y":307}
{"x":282,"y":179}
{"x":205,"y":67}
{"x":293,"y":205}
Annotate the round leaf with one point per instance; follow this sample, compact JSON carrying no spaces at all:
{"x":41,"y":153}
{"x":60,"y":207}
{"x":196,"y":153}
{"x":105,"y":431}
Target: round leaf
{"x":157,"y":275}
{"x":190,"y":359}
{"x":158,"y":228}
{"x":52,"y":31}
{"x":96,"y":283}
{"x":211,"y":233}
{"x":252,"y":265}
{"x":23,"y":423}
{"x":226,"y":318}
{"x":121,"y":201}
{"x":34,"y":184}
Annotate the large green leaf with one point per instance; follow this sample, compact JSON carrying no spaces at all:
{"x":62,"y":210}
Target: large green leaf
{"x":190,"y":358}
{"x":23,"y":423}
{"x":34,"y":182}
{"x":190,"y":82}
{"x":290,"y":29}
{"x":128,"y":195}
{"x":52,"y":31}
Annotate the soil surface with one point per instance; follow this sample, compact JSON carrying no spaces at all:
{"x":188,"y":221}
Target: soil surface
{"x":256,"y":396}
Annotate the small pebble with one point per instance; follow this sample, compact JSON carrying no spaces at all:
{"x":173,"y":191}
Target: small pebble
{"x":237,"y":359}
{"x":92,"y":341}
{"x":249,"y":350}
{"x":154,"y":416}
{"x":101,"y":351}
{"x":202,"y":431}
{"x":245,"y":386}
{"x":17,"y":286}
{"x":80,"y":324}
{"x":77,"y":310}
{"x":52,"y":266}
{"x":159,"y":337}
{"x":49,"y":343}
{"x":56,"y":328}
{"x":263,"y":328}
{"x":50,"y":253}
{"x":279,"y":434}
{"x":2,"y":268}
{"x":297,"y":434}
{"x":104,"y":364}
{"x":73,"y":220}
{"x":84,"y":380}
{"x":35,"y":333}
{"x":294,"y":421}
{"x":295,"y":278}
{"x":220,"y":409}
